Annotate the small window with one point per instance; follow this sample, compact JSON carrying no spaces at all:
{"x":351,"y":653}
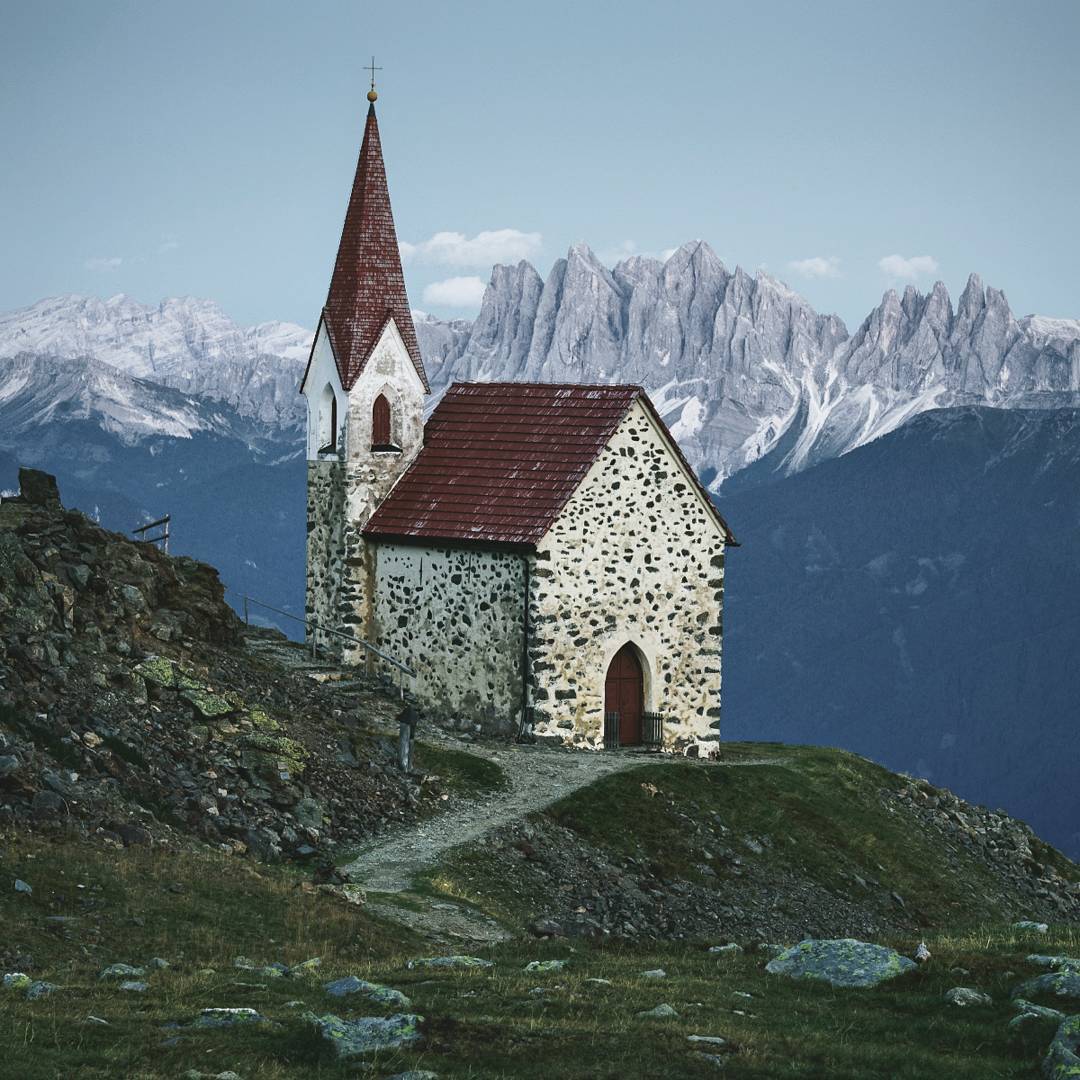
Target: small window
{"x":381,"y":436}
{"x":328,"y":423}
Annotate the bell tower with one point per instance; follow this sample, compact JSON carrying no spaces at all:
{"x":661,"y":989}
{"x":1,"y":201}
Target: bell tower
{"x":365,"y":386}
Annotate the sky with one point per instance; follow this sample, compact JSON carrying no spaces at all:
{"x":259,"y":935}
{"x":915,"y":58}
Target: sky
{"x":207,"y":149}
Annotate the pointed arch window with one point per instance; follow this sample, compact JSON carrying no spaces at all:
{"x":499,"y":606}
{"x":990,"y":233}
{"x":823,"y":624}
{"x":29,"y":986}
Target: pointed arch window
{"x":381,"y":425}
{"x":328,"y":421}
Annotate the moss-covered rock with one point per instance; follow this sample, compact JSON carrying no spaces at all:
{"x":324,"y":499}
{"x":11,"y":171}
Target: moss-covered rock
{"x":1059,"y":984}
{"x":368,"y":1034}
{"x":450,"y":962}
{"x":208,"y":706}
{"x":1062,"y":1061}
{"x":270,"y":756}
{"x":840,"y":962}
{"x":166,"y":673}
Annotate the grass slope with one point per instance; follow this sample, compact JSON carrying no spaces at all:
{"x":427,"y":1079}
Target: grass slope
{"x":201,"y":911}
{"x":821,"y":811}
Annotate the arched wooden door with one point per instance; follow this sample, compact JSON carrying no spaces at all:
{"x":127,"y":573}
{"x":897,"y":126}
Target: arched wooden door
{"x":624,"y":693}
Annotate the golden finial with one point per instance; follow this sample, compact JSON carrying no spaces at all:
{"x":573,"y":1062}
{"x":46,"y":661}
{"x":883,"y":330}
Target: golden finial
{"x":371,"y":95}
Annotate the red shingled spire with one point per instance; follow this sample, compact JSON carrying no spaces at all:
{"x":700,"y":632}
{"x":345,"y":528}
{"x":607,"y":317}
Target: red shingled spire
{"x":368,"y":286}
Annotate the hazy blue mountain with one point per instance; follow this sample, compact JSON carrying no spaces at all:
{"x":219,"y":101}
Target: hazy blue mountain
{"x":918,"y":600}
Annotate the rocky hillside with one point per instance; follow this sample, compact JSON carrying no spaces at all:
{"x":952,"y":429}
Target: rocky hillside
{"x":134,"y":705}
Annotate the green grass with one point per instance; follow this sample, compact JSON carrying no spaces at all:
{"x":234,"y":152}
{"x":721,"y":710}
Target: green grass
{"x":822,"y":812}
{"x":462,"y":773}
{"x":480,"y":1024}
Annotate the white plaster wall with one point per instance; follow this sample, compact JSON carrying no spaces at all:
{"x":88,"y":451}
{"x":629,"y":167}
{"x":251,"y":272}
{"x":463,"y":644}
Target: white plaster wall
{"x":635,"y":555}
{"x":321,"y":372}
{"x":455,"y":616}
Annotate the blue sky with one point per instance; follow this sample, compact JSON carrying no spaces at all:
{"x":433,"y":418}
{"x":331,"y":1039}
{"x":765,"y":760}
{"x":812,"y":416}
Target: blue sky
{"x":207,"y":148}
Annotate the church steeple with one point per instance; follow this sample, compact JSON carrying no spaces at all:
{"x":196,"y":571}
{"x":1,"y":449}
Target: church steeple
{"x":368,"y":287}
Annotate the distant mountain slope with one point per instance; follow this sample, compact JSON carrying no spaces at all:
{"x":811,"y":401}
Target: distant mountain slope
{"x":918,"y":600}
{"x":183,"y":343}
{"x":735,"y":362}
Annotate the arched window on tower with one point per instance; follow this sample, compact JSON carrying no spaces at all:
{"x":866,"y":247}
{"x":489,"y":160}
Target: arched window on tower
{"x":381,"y":428}
{"x":328,"y":422}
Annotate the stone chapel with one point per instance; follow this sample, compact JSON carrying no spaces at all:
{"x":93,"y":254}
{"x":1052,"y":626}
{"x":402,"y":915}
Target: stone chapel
{"x":542,"y":557}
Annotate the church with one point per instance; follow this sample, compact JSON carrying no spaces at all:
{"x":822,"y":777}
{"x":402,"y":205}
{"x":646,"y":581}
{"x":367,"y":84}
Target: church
{"x":541,"y":557}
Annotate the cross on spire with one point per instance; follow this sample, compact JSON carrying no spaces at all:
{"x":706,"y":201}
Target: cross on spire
{"x":372,"y":68}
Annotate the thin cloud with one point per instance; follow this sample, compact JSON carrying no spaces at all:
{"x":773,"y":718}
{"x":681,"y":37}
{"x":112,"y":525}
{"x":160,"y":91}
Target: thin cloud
{"x":482,"y":250}
{"x":907,"y":269}
{"x":103,"y":264}
{"x":817,"y":266}
{"x":456,"y":292}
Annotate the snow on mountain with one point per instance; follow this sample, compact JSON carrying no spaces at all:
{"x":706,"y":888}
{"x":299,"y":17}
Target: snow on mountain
{"x":185,"y":343}
{"x":739,"y":365}
{"x":36,"y":391}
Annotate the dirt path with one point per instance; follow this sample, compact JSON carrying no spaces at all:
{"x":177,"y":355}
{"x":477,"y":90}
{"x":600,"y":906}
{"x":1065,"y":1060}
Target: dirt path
{"x":538,"y":776}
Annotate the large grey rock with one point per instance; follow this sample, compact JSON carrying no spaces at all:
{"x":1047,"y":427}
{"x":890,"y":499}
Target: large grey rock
{"x":368,"y":1034}
{"x":1062,"y":1061}
{"x":456,"y":961}
{"x":840,"y":962}
{"x":1062,"y":984}
{"x":660,"y":1012}
{"x":40,"y":989}
{"x":384,"y":995}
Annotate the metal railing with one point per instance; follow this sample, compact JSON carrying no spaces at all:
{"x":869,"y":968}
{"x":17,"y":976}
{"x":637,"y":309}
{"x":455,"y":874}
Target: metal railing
{"x":652,"y":729}
{"x":312,"y":629}
{"x":611,"y":731}
{"x":162,"y":539}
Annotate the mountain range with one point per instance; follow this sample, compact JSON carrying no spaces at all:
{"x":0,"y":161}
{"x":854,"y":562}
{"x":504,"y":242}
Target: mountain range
{"x":872,"y":478}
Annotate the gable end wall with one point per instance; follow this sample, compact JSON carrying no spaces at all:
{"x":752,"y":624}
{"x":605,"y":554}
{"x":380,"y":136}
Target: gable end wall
{"x":635,"y":555}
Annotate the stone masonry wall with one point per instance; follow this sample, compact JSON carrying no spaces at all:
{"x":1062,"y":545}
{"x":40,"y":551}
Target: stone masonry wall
{"x":634,"y":556}
{"x":455,"y":617}
{"x":345,"y":487}
{"x":325,"y":553}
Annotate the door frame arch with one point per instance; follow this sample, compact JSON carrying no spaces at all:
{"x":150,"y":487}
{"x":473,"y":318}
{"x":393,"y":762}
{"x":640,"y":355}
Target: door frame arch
{"x":645,"y":650}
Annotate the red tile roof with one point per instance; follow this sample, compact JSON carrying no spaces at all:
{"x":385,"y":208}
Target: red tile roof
{"x":367,"y":286}
{"x":501,"y":460}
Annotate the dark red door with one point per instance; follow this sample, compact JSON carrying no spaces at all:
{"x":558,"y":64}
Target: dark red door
{"x":624,"y":694}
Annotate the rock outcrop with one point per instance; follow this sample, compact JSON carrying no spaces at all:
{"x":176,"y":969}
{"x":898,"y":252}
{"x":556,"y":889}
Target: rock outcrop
{"x":131,"y":710}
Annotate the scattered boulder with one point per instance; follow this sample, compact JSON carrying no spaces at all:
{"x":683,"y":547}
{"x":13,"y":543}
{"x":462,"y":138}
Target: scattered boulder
{"x":415,"y":1074}
{"x":1062,"y":1060}
{"x":545,"y":928}
{"x":384,"y":995}
{"x":708,"y":1040}
{"x":544,"y":966}
{"x":1063,"y":984}
{"x":1030,"y":1009}
{"x":122,"y":971}
{"x":39,"y":990}
{"x":654,"y":973}
{"x":1030,"y":927}
{"x":225,"y":1018}
{"x":305,"y":967}
{"x":922,"y":953}
{"x":965,"y":996}
{"x":661,"y":1012}
{"x":840,"y":962}
{"x":449,"y":962}
{"x":16,"y":980}
{"x":730,"y":949}
{"x":1054,"y":962}
{"x":368,"y":1034}
{"x":268,"y":971}
{"x":22,"y":887}
{"x":134,"y":986}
